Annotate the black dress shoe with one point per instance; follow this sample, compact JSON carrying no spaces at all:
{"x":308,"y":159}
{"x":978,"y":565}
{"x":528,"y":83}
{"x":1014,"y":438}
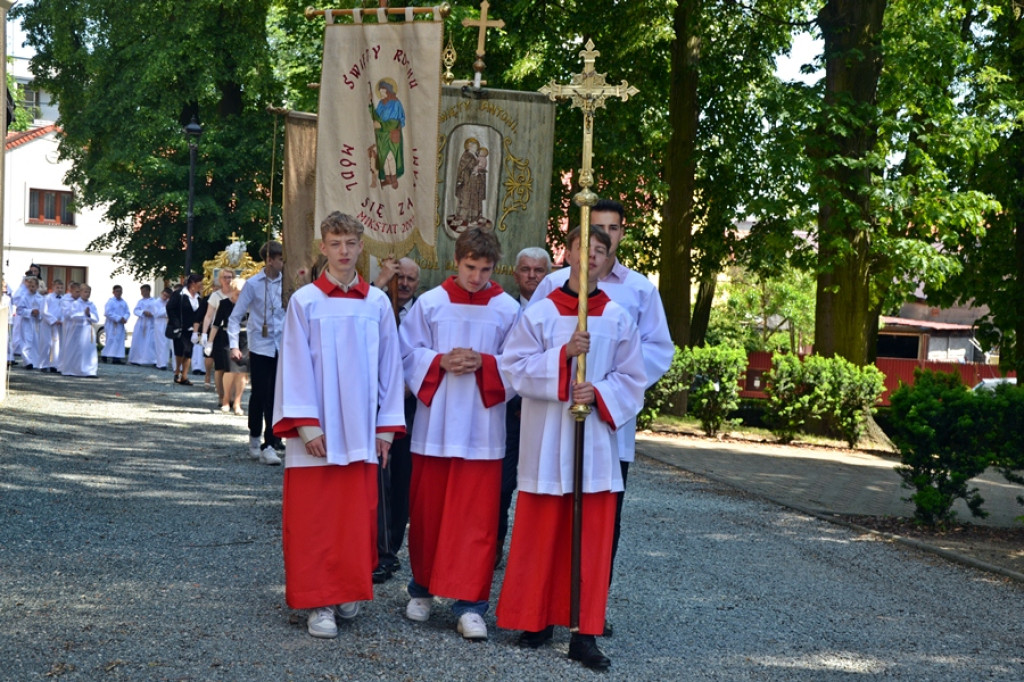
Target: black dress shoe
{"x":583,"y":648}
{"x":381,"y":575}
{"x":534,"y":640}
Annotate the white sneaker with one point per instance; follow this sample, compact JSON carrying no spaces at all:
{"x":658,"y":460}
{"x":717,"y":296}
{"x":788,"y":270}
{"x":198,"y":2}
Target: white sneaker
{"x":348,"y":611}
{"x":321,"y":623}
{"x":418,"y":608}
{"x":225,"y":408}
{"x":254,"y":447}
{"x":472,"y":626}
{"x":268,"y":456}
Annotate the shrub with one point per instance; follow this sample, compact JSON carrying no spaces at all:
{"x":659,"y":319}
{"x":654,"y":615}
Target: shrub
{"x":853,"y":394}
{"x":660,"y":396}
{"x":1008,"y":449}
{"x":788,"y":405}
{"x":832,"y":392}
{"x":944,"y":435}
{"x":713,"y":373}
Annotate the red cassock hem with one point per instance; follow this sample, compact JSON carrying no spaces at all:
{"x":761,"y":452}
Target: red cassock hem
{"x":535,"y":592}
{"x":329,"y":534}
{"x":488,"y":380}
{"x":288,"y":427}
{"x":431,"y":382}
{"x":453,"y":525}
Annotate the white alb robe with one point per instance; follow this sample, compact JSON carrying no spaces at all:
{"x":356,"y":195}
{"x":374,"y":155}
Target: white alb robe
{"x":65,"y":320}
{"x":31,"y":326}
{"x":536,"y":365}
{"x":116,"y":313}
{"x":339,"y":369}
{"x":162,"y":347}
{"x":641,"y":299}
{"x":458,"y":416}
{"x":49,"y":341}
{"x":143,"y":350}
{"x":80,"y":359}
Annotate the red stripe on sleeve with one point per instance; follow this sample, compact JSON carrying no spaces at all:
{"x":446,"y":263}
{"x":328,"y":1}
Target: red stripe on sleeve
{"x":288,"y":427}
{"x":488,"y":380}
{"x":431,"y":382}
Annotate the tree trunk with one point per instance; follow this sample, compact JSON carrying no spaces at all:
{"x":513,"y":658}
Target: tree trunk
{"x":847,"y":135}
{"x":680,"y":171}
{"x":702,"y":310}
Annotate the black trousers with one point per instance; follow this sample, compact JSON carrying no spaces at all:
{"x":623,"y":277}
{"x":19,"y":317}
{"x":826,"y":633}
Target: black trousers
{"x":618,"y":517}
{"x":393,"y":513}
{"x":262,"y":376}
{"x":509,"y":466}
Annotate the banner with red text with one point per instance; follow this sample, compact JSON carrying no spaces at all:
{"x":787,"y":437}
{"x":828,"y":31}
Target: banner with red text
{"x":377,"y":134}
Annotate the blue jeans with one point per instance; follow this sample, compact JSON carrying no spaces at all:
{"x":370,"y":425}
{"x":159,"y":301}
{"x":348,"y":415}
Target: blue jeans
{"x":417,"y":591}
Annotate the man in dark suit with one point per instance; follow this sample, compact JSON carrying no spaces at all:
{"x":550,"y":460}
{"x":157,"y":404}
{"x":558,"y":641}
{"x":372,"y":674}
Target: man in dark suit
{"x":393,"y":509}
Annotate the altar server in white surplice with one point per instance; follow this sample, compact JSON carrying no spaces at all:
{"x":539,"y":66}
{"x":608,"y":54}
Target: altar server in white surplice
{"x":339,"y":396}
{"x":30,"y":309}
{"x":540,"y":361}
{"x":74,"y":291}
{"x":116,"y":312}
{"x":143,"y":350}
{"x":49,"y":338}
{"x":451,"y":340}
{"x":80,"y":358}
{"x":161,"y":344}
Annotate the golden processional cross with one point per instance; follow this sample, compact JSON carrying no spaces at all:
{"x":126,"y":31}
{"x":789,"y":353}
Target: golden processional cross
{"x":588,"y":91}
{"x":483,"y":23}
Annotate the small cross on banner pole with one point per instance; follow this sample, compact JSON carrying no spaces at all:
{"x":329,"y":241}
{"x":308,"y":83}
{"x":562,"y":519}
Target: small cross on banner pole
{"x":588,"y":91}
{"x":483,"y":23}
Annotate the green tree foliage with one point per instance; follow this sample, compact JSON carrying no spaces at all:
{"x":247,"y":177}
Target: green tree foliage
{"x":892,"y":144}
{"x":659,"y":397}
{"x":126,"y":78}
{"x":22,"y":117}
{"x":763,"y":313}
{"x":993,"y":264}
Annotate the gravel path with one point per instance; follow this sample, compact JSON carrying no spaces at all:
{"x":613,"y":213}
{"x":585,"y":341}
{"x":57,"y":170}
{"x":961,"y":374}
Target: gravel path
{"x":140,"y":542}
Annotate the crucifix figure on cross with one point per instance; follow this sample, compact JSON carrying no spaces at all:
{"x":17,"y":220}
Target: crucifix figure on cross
{"x":483,"y":23}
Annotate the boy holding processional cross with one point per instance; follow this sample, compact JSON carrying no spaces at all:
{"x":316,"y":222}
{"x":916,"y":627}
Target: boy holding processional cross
{"x":339,"y":402}
{"x":451,"y":340}
{"x":540,"y":360}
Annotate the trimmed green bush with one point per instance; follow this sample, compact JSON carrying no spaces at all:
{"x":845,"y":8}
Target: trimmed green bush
{"x":944,"y":433}
{"x":713,"y":373}
{"x":661,"y":395}
{"x":831,"y":392}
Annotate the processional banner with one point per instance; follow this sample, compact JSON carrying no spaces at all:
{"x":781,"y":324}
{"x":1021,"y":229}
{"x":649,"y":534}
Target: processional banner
{"x":380,"y":94}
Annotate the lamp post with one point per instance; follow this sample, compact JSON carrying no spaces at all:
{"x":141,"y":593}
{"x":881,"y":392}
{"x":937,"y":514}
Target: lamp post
{"x":193,"y":131}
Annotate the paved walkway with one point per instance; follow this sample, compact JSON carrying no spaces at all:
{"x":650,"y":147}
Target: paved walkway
{"x":820,"y":479}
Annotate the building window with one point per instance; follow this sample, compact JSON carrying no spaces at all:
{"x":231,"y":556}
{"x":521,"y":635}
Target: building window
{"x":50,"y":206}
{"x":31,"y":101}
{"x":65,"y":273}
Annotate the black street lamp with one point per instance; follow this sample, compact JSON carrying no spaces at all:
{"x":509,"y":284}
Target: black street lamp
{"x":193,"y":131}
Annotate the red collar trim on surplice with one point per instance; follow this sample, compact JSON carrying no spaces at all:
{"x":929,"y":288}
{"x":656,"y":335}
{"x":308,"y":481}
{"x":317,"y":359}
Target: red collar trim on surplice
{"x":332,"y":290}
{"x":457,"y":294}
{"x":568,"y":304}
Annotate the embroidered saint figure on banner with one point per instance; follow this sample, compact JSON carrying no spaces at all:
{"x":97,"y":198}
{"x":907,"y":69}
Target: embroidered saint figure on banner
{"x":388,"y":121}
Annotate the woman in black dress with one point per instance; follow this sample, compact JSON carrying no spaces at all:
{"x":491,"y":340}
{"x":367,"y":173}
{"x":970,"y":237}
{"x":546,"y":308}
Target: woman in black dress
{"x":235,"y":372}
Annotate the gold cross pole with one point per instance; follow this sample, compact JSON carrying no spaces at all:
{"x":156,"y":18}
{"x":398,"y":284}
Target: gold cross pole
{"x":483,"y":23}
{"x":588,"y":91}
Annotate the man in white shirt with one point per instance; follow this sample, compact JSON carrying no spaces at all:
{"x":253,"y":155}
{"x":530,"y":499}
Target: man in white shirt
{"x":261,"y":299}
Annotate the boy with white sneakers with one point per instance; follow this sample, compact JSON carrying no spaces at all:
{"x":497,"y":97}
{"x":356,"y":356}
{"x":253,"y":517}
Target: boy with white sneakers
{"x":451,"y":341}
{"x":339,"y":402}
